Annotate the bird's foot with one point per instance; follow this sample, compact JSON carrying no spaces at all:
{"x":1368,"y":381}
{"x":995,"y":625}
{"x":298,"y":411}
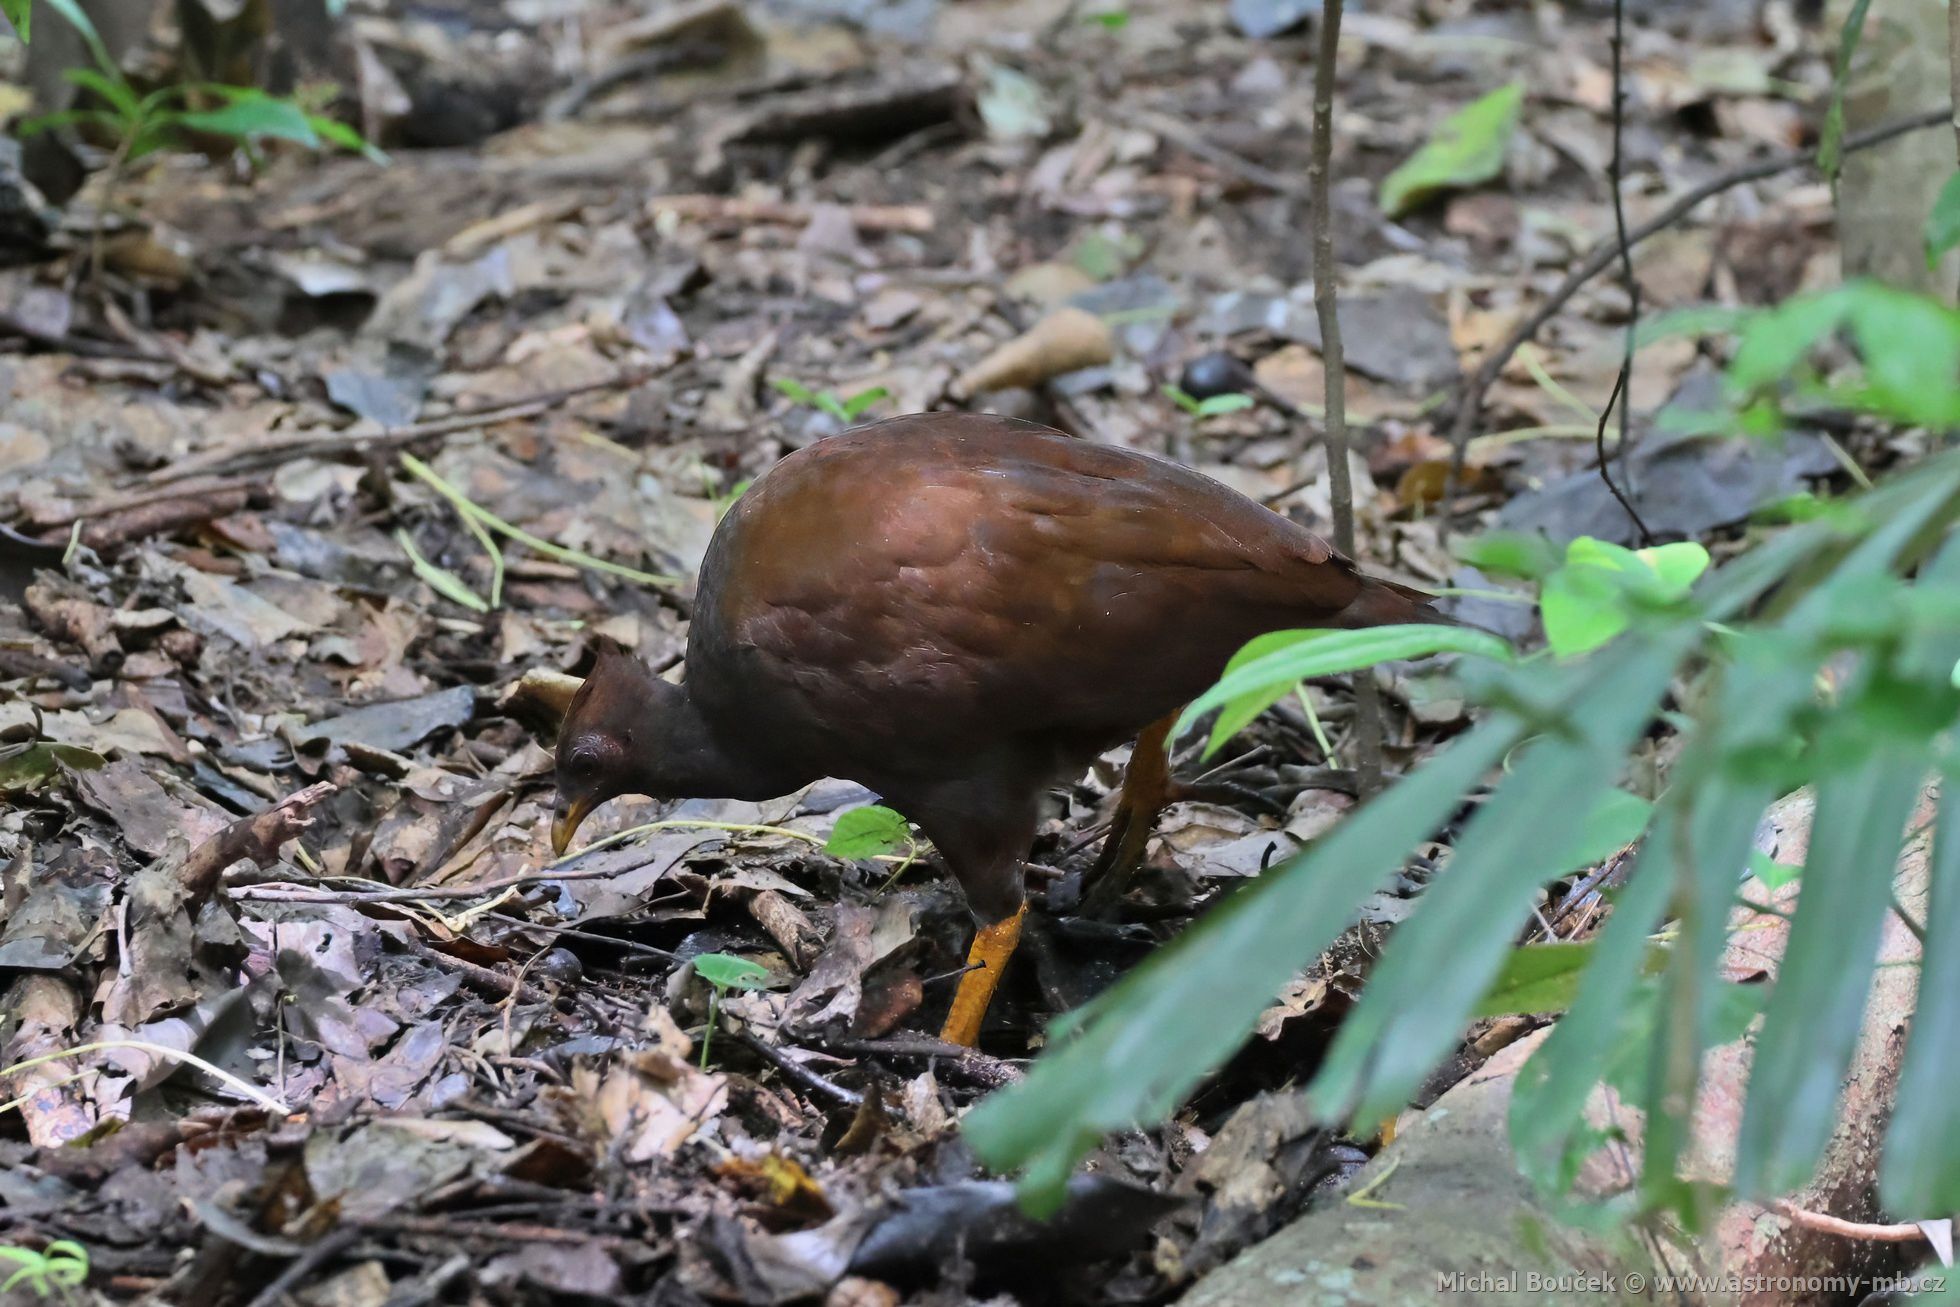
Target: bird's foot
{"x":992,"y":946}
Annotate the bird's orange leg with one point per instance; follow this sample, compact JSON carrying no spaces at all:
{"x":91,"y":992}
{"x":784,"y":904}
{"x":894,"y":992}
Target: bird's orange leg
{"x":1146,"y":789}
{"x":992,"y":946}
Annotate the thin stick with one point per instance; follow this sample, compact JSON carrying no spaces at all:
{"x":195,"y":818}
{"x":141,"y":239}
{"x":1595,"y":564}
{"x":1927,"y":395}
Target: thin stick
{"x":271,"y":452}
{"x":1340,"y":485}
{"x":1953,"y":65}
{"x":799,"y":1074}
{"x":1602,"y":254}
{"x":1622,"y":385}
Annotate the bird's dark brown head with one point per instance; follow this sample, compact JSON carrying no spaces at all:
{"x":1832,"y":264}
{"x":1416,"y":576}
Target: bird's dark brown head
{"x":605,"y":739}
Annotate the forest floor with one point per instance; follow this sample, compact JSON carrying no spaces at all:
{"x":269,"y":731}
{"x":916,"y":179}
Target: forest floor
{"x":476,"y":1073}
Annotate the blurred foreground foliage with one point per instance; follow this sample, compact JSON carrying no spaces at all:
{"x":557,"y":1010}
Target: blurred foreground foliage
{"x":1868,"y":588}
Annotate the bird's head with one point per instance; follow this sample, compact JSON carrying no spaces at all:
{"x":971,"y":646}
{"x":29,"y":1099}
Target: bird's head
{"x":602,"y":743}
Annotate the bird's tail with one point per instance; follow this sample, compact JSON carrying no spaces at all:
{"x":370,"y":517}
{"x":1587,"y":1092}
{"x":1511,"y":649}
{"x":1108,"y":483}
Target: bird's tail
{"x":1386,"y":603}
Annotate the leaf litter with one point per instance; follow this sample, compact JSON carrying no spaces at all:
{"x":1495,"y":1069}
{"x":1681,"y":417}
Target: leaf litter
{"x":334,"y":457}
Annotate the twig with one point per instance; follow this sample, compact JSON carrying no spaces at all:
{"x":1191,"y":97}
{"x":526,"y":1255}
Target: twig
{"x":1188,"y":139}
{"x":318,"y":1254}
{"x":913,"y":218}
{"x":484,"y":979}
{"x":269,"y":453}
{"x":1340,"y":484}
{"x":971,"y":1063}
{"x":1602,"y":254}
{"x":115,"y":505}
{"x":799,"y":1073}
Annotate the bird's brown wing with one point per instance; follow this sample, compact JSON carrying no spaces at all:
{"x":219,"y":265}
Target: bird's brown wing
{"x":948,"y":593}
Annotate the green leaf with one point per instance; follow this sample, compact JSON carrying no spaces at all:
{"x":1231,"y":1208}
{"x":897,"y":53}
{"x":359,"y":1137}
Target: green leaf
{"x":863,"y":400}
{"x":1144,"y":1043}
{"x":1536,"y":978}
{"x":1272,"y":664}
{"x":1943,"y":223}
{"x":1548,"y":1106}
{"x":254,"y":114}
{"x":726,"y":971}
{"x":1818,"y":1005}
{"x":1467,"y":149}
{"x":1112,"y":19}
{"x":1594,"y":596}
{"x":1775,"y":342}
{"x":867,"y":832}
{"x":78,"y":19}
{"x":1921,"y":1171}
{"x":1231,"y":402}
{"x":1507,"y":553}
{"x":443,"y":581}
{"x":1178,"y":396}
{"x":1831,"y":140}
{"x":18,"y":14}
{"x":1582,"y":608}
{"x":67,"y":117}
{"x":1676,"y":567}
{"x":1101,"y":256}
{"x":802,"y":394}
{"x":1616,"y":820}
{"x":1446,"y":954}
{"x":1773,"y":874}
{"x":1910,"y":345}
{"x":335,"y":132}
{"x":115,"y":90}
{"x":31,"y":766}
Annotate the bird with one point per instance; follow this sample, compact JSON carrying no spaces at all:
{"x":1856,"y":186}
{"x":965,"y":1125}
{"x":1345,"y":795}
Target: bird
{"x":958,"y":611}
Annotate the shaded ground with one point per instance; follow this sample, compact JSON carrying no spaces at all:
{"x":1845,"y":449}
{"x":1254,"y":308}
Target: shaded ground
{"x":478,"y":1074}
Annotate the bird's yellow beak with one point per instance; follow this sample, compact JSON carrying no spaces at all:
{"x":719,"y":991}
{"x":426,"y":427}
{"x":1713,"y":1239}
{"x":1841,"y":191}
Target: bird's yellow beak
{"x":566,"y":823}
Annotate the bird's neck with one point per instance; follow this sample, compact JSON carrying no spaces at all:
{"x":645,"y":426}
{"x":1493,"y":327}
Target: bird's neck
{"x":679,"y":754}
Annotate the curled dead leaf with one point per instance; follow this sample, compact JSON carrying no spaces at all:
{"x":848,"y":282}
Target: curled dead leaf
{"x":1067,"y":340}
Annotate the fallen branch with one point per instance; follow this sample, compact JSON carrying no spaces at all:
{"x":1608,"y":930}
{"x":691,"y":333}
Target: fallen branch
{"x":112,"y":505}
{"x":161,"y":517}
{"x":915,"y":218}
{"x":271,"y":452}
{"x":1824,"y":1223}
{"x":1605,"y":251}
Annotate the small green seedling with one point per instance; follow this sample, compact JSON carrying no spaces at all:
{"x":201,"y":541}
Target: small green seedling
{"x":1230,"y":402}
{"x":1114,"y":20}
{"x":723,"y":972}
{"x":60,"y":1266}
{"x":826,"y":401}
{"x":144,"y":124}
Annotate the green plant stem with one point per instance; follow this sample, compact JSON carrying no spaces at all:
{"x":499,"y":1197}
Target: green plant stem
{"x":1319,"y":731}
{"x":714,"y":1017}
{"x":470,"y":509}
